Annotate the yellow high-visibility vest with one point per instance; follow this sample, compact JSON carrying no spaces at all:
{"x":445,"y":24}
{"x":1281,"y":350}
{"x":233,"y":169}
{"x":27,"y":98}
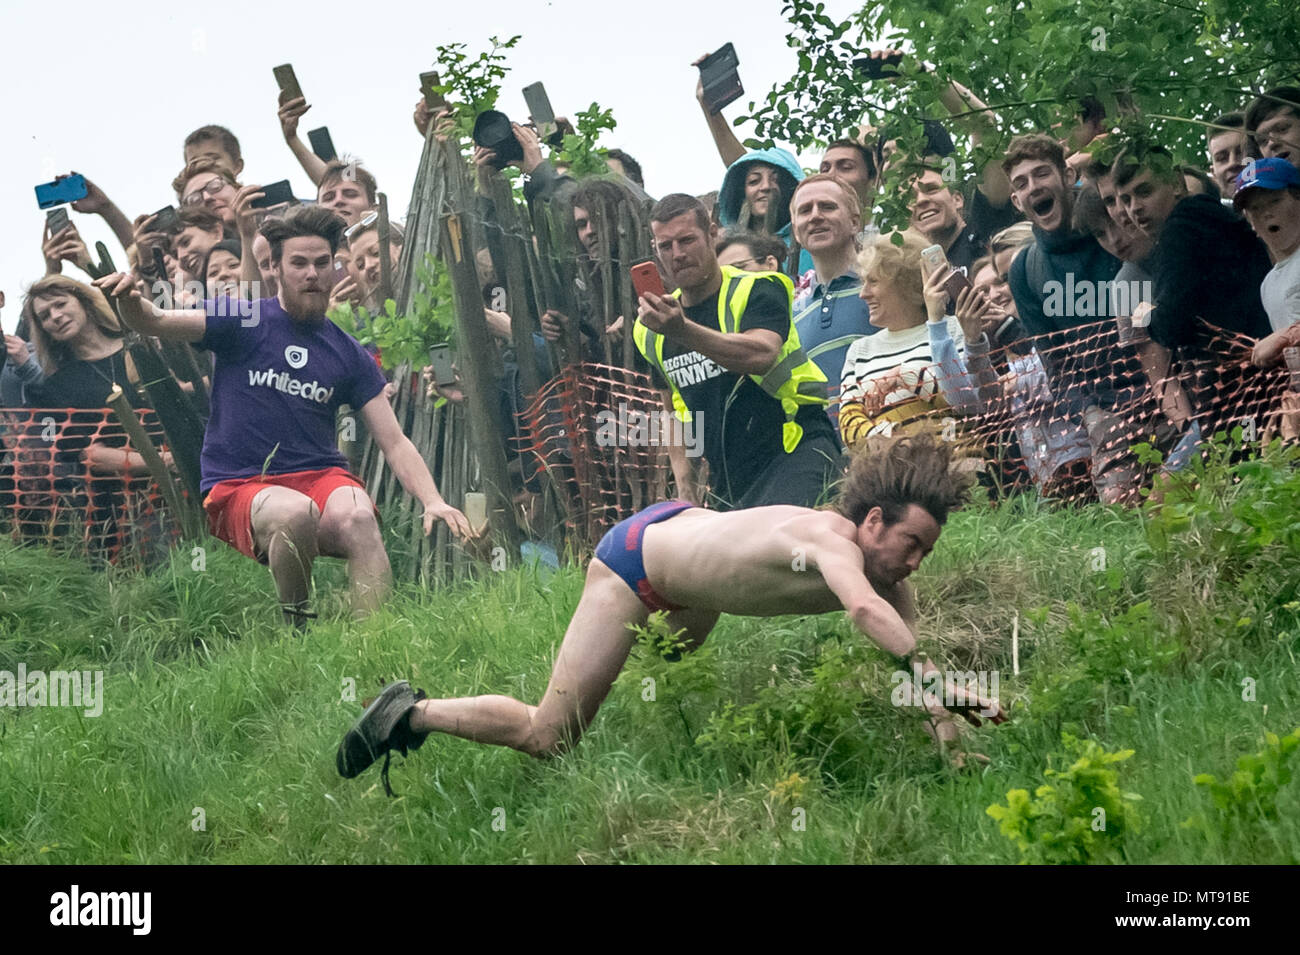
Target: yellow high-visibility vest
{"x":792,"y":379}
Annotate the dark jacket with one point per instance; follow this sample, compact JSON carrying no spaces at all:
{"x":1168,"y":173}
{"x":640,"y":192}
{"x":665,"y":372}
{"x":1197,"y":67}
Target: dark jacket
{"x":1079,"y":361}
{"x":1067,"y":258}
{"x":1207,"y":263}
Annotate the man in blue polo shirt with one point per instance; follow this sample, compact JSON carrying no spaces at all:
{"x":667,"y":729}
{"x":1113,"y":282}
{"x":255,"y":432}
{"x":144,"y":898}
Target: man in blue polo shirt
{"x":275,"y":485}
{"x":827,"y":217}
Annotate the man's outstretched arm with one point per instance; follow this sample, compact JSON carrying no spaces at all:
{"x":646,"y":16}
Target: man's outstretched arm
{"x":143,"y":316}
{"x":888,"y":619}
{"x":403,"y":457}
{"x":839,"y":561}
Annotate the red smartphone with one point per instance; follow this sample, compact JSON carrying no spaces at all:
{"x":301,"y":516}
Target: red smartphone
{"x":646,"y":279}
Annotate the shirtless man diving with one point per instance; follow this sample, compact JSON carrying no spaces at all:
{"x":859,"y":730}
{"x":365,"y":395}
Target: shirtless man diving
{"x":697,"y":564}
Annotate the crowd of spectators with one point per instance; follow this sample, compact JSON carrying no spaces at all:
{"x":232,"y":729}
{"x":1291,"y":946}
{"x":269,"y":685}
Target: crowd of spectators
{"x":791,"y":328}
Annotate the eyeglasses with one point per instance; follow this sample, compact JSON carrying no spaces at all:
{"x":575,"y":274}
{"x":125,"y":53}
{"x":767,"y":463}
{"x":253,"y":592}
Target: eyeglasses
{"x":365,"y":222}
{"x":212,"y":187}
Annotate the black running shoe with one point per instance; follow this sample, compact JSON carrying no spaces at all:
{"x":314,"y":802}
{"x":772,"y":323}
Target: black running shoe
{"x":383,"y":727}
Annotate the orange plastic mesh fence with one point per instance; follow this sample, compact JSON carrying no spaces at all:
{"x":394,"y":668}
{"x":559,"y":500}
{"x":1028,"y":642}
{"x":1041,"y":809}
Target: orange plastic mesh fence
{"x":578,"y":426}
{"x":52,"y":492}
{"x":1060,"y":415}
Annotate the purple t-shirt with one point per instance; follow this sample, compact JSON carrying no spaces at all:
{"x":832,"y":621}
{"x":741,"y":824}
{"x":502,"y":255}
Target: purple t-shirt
{"x":276,"y":388}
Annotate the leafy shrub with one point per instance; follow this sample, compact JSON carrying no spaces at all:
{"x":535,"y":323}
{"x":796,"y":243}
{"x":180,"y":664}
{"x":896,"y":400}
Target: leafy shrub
{"x":1081,"y":817}
{"x":1250,"y":793}
{"x":407,"y":338}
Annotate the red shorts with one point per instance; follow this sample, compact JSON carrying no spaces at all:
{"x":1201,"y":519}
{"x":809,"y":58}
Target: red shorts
{"x":229,"y":505}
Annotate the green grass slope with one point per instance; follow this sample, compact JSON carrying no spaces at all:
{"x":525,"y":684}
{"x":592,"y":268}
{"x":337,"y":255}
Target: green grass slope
{"x":777,"y":742}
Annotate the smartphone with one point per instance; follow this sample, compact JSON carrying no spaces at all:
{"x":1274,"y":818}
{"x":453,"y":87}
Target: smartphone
{"x":476,"y":510}
{"x":932,"y":256}
{"x":166,"y":220}
{"x":646,"y":279}
{"x":721,"y":80}
{"x":340,"y":272}
{"x":440,"y":359}
{"x":874,"y":68}
{"x":956,"y":283}
{"x":432,"y":99}
{"x":275,"y":194}
{"x":55,"y":193}
{"x":539,"y":104}
{"x":321,"y":144}
{"x":56,"y":220}
{"x":288,"y":83}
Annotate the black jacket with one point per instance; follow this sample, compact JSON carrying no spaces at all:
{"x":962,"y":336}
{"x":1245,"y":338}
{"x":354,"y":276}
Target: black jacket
{"x":1207,"y":263}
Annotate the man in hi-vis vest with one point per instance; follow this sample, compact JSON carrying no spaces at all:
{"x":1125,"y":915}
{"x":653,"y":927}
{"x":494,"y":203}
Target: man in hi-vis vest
{"x":726,"y":356}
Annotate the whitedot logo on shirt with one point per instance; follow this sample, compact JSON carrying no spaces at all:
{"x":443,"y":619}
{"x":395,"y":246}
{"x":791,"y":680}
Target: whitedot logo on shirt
{"x":296,"y":356}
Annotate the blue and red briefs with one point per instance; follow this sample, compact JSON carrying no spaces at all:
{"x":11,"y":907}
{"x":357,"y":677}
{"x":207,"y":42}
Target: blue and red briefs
{"x":620,"y":550}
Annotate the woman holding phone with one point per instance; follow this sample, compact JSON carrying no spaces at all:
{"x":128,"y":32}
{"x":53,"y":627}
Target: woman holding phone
{"x":893,"y":380}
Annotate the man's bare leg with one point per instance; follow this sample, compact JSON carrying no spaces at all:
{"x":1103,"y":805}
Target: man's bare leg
{"x":594,"y":650}
{"x":284,"y":528}
{"x":349,"y":529}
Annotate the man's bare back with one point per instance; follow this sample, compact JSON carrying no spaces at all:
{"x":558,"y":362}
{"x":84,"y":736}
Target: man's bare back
{"x":755,"y":563}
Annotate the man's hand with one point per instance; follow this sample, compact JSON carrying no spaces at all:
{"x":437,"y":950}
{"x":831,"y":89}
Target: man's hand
{"x":96,"y":202}
{"x":290,"y":113}
{"x":455,"y":392}
{"x":553,"y":325}
{"x":968,"y":704}
{"x":531,"y":144}
{"x":888,"y":70}
{"x":454,"y":519}
{"x":16,"y":349}
{"x":146,"y":240}
{"x":661,"y":313}
{"x":246,"y":213}
{"x":421,"y":117}
{"x":484,"y":170}
{"x":699,"y":83}
{"x":129,"y":295}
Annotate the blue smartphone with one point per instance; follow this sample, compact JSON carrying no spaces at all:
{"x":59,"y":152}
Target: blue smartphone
{"x":60,"y":191}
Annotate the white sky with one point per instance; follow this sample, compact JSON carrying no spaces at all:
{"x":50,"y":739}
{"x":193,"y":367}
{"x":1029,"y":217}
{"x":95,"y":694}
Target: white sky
{"x":111,"y":90}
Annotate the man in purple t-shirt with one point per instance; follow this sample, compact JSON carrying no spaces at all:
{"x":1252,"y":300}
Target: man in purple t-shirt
{"x":275,"y":485}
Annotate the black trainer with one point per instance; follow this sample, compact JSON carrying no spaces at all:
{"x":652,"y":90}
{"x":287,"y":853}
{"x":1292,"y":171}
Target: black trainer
{"x":383,"y":727}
